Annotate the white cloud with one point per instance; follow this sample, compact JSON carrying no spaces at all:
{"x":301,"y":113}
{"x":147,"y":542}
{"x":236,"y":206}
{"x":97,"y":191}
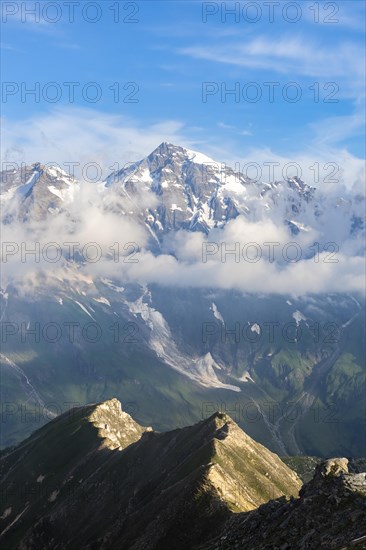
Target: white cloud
{"x":296,"y":56}
{"x":349,"y":15}
{"x":183,"y":261}
{"x":83,"y":136}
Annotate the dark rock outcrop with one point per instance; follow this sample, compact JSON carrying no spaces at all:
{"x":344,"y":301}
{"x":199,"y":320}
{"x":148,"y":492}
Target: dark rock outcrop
{"x":330,"y":513}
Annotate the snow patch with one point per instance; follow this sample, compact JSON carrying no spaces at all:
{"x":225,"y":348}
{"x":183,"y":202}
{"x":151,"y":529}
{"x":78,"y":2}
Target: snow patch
{"x":245,"y":377}
{"x":23,"y":190}
{"x":102,"y":300}
{"x":205,"y":368}
{"x":84,"y":309}
{"x":199,"y":158}
{"x":111,"y":285}
{"x":161,"y":341}
{"x":216,"y":313}
{"x":298,"y":316}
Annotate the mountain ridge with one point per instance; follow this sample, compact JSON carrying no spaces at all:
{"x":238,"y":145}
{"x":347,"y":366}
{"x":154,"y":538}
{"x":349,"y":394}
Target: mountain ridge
{"x":72,"y":485}
{"x":212,"y":462}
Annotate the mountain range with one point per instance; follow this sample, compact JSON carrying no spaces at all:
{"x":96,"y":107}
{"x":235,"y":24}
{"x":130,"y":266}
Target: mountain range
{"x":191,"y":192}
{"x":167,"y":319}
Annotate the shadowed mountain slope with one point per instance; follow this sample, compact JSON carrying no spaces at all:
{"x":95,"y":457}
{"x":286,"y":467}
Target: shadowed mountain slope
{"x":94,"y":478}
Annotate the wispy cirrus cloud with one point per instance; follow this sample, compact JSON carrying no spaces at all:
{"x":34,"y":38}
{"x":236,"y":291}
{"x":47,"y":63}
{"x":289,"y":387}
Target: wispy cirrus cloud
{"x":337,"y":129}
{"x":345,"y":15}
{"x":85,"y":135}
{"x":7,"y":46}
{"x":234,"y":129}
{"x":288,"y":55}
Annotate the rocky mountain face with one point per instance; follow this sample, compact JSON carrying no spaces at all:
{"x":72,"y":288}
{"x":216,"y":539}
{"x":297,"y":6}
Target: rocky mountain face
{"x":194,"y":191}
{"x":32,"y":192}
{"x":175,"y":356}
{"x":94,"y":478}
{"x":330,"y":513}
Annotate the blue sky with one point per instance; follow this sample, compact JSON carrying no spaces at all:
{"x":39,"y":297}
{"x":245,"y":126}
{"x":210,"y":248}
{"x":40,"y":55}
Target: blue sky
{"x":169,"y":53}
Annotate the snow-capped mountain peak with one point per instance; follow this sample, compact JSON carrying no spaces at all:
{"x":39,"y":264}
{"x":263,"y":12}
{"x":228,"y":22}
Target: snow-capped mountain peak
{"x":167,"y":149}
{"x":176,"y":187}
{"x":37,"y":190}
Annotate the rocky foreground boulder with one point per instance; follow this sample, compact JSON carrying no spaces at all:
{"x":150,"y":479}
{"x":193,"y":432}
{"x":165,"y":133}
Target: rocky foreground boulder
{"x":330,"y":513}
